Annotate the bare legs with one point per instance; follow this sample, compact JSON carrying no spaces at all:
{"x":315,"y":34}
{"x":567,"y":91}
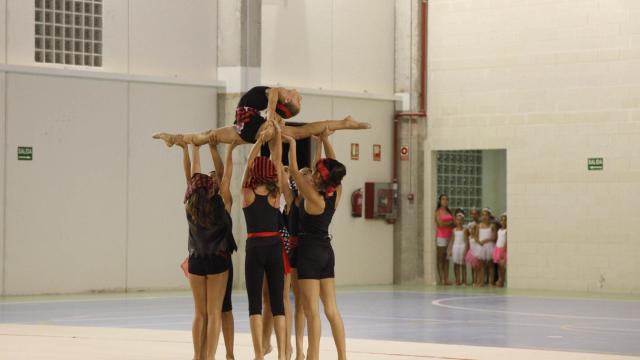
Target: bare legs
{"x":502,"y":274}
{"x":228,"y":333}
{"x":225,"y":135}
{"x":328,"y":297}
{"x":257,"y":334}
{"x":443,"y":265}
{"x":228,"y":134}
{"x":317,"y":127}
{"x":480,"y":272}
{"x":299,"y":315}
{"x":199,"y":291}
{"x":310,"y":290}
{"x":491,"y":272}
{"x":324,"y":289}
{"x":208,"y":294}
{"x":267,"y":318}
{"x":457,"y":270}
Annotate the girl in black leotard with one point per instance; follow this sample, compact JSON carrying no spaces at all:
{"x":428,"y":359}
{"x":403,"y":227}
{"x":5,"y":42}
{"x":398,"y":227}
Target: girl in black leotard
{"x":207,"y":203}
{"x":316,"y":259}
{"x":261,"y":200}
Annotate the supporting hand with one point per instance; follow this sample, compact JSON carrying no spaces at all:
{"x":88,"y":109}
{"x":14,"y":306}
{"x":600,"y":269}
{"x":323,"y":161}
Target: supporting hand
{"x":213,"y":139}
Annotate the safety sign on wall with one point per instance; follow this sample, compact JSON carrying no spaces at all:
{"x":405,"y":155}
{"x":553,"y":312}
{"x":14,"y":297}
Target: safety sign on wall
{"x":25,"y":153}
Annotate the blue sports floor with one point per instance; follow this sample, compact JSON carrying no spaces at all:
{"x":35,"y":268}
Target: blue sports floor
{"x":565,"y":322}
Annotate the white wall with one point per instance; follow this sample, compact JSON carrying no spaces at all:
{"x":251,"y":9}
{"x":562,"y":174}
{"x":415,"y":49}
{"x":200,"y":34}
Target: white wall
{"x":94,"y":210}
{"x":145,"y":37}
{"x":2,"y":173}
{"x":330,"y":44}
{"x":554,"y":83}
{"x":3,"y":42}
{"x":363,"y":248}
{"x":157,"y":237}
{"x":65,"y":209}
{"x":174,"y":38}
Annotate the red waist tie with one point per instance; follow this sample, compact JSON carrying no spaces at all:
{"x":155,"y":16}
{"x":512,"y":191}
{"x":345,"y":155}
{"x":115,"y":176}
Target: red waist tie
{"x":263,"y":234}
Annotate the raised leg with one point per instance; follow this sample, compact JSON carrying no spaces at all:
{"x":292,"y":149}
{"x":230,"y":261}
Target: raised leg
{"x":225,"y":135}
{"x":317,"y":127}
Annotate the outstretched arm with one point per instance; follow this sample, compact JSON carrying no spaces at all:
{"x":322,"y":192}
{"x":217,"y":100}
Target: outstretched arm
{"x":215,"y":156}
{"x":328,"y":148}
{"x":277,"y":154}
{"x":186,"y":161}
{"x":225,"y":183}
{"x":195,"y":155}
{"x":252,"y":155}
{"x":284,"y":187}
{"x":307,"y":190}
{"x":273,"y":96}
{"x":318,"y":155}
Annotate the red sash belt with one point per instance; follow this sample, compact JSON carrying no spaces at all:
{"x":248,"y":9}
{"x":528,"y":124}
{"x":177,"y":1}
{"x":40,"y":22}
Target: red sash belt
{"x":263,"y":234}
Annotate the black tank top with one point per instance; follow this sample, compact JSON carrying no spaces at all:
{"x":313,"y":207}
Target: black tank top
{"x":317,"y":225}
{"x":260,"y":216}
{"x":293,"y":220}
{"x":257,"y":98}
{"x":217,"y":237}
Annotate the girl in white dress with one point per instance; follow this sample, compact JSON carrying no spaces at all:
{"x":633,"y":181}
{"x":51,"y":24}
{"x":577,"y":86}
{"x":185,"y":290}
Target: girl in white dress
{"x":487,"y":238}
{"x":458,"y":249}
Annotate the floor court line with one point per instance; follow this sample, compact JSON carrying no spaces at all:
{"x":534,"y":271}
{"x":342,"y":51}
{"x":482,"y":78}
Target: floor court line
{"x":440,"y":303}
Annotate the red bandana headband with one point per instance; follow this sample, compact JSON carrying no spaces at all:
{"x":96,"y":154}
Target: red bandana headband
{"x":284,"y":111}
{"x":198,"y":181}
{"x":324,"y":174}
{"x":262,"y":171}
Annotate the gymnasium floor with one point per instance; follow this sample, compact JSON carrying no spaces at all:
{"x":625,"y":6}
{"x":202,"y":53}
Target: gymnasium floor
{"x":381,"y":323}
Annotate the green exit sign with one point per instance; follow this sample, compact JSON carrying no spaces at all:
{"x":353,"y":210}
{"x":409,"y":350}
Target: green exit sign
{"x":25,"y":153}
{"x":595,"y":164}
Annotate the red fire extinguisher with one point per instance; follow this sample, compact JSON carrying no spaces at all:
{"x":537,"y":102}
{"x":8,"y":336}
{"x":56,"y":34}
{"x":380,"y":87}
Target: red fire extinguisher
{"x":356,"y":203}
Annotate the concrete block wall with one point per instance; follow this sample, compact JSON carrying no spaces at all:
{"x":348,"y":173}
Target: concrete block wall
{"x":553,"y":83}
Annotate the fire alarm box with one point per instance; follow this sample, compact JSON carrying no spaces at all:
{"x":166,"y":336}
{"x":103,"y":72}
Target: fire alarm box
{"x":380,"y":201}
{"x":356,"y":203}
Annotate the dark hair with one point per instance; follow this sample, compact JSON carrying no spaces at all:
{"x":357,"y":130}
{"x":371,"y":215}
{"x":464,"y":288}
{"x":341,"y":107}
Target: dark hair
{"x":459,"y":211}
{"x":337,"y":171}
{"x":272,"y":186}
{"x":204,"y":210}
{"x":440,"y":200}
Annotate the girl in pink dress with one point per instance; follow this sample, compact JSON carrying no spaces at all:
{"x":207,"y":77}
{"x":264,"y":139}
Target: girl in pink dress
{"x":444,"y":230}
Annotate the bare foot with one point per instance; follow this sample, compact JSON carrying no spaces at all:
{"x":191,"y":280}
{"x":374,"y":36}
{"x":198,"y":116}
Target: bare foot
{"x":268,"y":349}
{"x":351,"y":123}
{"x":300,"y":357}
{"x":168,"y":139}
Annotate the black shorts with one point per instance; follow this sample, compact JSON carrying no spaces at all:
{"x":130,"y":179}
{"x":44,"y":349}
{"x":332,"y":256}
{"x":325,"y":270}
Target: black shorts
{"x":316,"y":259}
{"x":226,"y":304}
{"x":248,"y":129}
{"x":210,"y":265}
{"x":293,"y":257}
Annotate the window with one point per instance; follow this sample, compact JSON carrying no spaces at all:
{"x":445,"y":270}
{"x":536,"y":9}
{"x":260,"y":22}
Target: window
{"x":460,"y":178}
{"x":68,"y":32}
